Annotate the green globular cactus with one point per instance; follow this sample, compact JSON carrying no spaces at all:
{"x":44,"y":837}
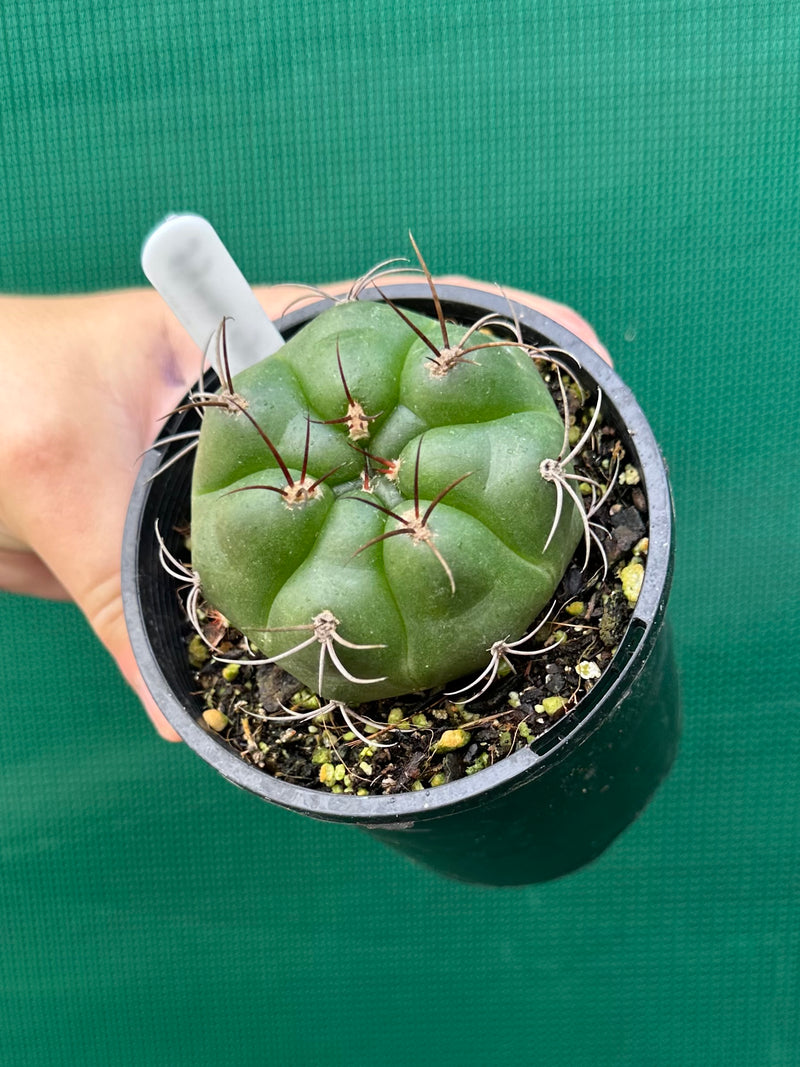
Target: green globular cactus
{"x":368,"y":504}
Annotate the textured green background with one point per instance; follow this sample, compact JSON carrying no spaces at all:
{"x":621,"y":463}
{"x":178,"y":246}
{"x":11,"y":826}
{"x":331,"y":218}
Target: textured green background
{"x":636,"y":160}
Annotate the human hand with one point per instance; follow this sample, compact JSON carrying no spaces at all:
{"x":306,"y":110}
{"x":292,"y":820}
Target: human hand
{"x":87,"y":381}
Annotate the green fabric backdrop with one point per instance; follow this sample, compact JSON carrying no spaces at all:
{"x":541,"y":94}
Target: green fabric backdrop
{"x":636,"y":160}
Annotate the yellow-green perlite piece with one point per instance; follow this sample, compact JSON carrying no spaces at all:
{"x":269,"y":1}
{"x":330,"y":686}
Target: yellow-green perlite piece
{"x":372,"y":517}
{"x":215,"y":719}
{"x":452,"y":740}
{"x":632,"y":577}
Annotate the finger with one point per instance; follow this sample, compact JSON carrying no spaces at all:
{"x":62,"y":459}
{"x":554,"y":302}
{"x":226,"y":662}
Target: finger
{"x":117,"y":642}
{"x":560,"y":313}
{"x":574,"y":322}
{"x":275,"y":299}
{"x":24,"y":572}
{"x":97,"y":591}
{"x":152,"y":710}
{"x":278,"y":299}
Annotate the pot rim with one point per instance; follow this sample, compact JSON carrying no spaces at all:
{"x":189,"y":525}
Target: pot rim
{"x":459,"y":302}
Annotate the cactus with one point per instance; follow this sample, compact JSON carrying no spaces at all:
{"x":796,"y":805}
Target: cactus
{"x":385,"y":502}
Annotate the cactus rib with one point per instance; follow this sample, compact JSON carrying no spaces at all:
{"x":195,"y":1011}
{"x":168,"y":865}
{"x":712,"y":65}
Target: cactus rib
{"x":356,"y":419}
{"x":415,"y":525}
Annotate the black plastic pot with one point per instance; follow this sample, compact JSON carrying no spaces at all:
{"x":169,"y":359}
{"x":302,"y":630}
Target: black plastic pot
{"x":541,"y":812}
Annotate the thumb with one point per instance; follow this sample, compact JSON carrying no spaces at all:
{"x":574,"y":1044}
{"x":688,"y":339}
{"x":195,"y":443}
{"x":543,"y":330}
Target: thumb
{"x":131,"y":673}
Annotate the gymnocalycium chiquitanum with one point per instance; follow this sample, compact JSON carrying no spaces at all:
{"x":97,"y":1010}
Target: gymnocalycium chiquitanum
{"x":384,"y":504}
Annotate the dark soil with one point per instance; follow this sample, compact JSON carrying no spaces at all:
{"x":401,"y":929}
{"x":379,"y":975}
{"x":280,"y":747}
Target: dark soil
{"x":430,"y":738}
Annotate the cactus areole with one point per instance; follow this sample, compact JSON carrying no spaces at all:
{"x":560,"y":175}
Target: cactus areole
{"x":368,"y":506}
